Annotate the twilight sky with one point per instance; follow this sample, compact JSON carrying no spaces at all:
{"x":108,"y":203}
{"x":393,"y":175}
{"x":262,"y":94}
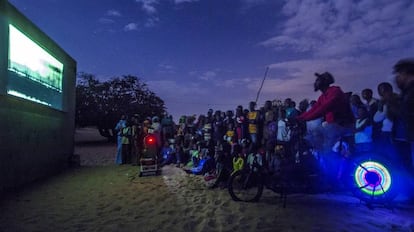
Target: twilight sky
{"x":201,"y":54}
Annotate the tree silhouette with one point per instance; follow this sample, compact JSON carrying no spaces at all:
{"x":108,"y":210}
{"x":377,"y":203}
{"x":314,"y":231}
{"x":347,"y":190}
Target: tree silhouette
{"x":101,"y":104}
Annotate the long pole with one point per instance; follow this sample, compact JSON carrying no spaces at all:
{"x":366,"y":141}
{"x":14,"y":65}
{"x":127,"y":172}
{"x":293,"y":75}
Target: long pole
{"x":261,"y":86}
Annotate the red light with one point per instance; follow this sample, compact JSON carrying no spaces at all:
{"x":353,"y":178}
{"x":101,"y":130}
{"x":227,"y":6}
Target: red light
{"x":150,"y":140}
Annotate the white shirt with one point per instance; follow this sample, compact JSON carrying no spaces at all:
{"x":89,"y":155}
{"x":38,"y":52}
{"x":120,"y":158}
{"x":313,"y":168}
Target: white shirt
{"x":283,"y":132}
{"x":382,"y":117}
{"x":365,"y":135}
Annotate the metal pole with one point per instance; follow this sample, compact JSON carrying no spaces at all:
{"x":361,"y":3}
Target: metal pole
{"x":260,"y":89}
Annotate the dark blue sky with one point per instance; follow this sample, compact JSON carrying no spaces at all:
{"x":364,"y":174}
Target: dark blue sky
{"x":201,"y":54}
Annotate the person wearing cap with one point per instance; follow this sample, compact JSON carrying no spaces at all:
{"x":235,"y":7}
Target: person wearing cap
{"x":333,"y":105}
{"x":404,"y":71}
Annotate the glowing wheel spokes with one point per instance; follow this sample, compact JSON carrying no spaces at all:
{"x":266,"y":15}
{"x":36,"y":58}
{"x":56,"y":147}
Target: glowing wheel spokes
{"x":363,"y":186}
{"x":360,"y":165}
{"x":369,"y":175}
{"x":373,"y":192}
{"x":382,"y":189}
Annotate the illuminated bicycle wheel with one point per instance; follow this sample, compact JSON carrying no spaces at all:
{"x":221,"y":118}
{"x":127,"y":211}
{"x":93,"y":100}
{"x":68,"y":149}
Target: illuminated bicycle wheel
{"x":374,"y":182}
{"x":373,"y":178}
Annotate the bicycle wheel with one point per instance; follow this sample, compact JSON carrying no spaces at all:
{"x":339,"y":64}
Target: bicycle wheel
{"x":374,"y":182}
{"x":245,"y":186}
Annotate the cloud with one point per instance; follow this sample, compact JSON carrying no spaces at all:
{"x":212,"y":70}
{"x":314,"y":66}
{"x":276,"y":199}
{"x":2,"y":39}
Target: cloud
{"x":174,"y":89}
{"x":230,"y":84}
{"x":106,"y":21}
{"x":149,"y":6}
{"x":152,"y":21}
{"x":253,"y":2}
{"x":166,"y":68}
{"x":131,"y":27}
{"x":357,"y":41}
{"x":344,"y":28}
{"x":246,"y":5}
{"x":221,"y":79}
{"x":113,"y":13}
{"x":295,"y":78}
{"x":184,"y":1}
{"x":208,"y":76}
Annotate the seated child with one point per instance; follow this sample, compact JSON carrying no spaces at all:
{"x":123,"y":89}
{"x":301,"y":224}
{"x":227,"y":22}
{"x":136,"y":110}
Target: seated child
{"x":254,"y":160}
{"x":167,"y":153}
{"x":238,"y":162}
{"x":204,"y":165}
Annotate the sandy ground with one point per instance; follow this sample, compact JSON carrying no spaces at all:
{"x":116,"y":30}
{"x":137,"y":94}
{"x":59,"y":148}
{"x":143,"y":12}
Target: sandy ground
{"x":101,"y":196}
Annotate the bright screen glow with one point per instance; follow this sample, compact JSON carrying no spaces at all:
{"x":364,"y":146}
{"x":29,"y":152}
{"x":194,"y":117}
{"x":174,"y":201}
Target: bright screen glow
{"x":38,"y":75}
{"x":17,"y":94}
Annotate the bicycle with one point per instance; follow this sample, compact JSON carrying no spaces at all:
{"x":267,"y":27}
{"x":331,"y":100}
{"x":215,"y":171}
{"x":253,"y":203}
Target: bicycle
{"x":366,"y":176}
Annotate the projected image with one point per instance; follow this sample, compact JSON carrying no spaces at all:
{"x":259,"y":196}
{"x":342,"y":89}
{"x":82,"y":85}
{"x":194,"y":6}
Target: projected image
{"x":37,"y":74}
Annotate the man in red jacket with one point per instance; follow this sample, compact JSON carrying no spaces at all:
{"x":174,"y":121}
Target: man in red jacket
{"x":333,"y":105}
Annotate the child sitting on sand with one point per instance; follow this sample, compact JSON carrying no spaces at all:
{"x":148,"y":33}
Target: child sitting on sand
{"x":167,"y":153}
{"x":238,"y":162}
{"x":254,"y":160}
{"x":194,"y":153}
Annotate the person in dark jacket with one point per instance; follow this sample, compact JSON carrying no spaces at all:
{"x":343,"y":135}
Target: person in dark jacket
{"x":404,"y":71}
{"x":372,"y":106}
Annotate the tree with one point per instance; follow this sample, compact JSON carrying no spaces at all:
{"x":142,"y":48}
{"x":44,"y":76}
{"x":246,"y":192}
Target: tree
{"x":101,"y":104}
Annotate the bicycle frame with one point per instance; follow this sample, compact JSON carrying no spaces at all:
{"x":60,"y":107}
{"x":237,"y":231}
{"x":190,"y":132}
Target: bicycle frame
{"x":367,"y":178}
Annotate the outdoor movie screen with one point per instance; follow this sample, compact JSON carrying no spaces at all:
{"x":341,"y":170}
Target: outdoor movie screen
{"x":34,"y":74}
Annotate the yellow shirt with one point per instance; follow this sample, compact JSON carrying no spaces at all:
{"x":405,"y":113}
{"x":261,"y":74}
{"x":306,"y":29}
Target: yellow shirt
{"x":252,"y":116}
{"x":238,"y":164}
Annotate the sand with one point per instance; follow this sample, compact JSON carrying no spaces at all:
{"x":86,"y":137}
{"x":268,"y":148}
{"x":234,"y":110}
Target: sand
{"x":102,"y":196}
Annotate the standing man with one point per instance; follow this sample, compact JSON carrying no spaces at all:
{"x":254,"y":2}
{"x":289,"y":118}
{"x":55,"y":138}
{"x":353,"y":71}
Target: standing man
{"x":387,"y":116}
{"x":126,"y":142}
{"x":253,"y":118}
{"x":372,"y":105}
{"x":404,"y":71}
{"x":118,"y":128}
{"x":135,"y":140}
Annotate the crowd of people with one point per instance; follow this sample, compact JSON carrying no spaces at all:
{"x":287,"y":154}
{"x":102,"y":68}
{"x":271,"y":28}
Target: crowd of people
{"x":219,"y":142}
